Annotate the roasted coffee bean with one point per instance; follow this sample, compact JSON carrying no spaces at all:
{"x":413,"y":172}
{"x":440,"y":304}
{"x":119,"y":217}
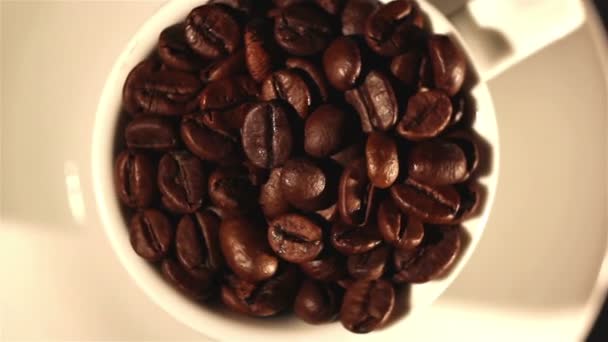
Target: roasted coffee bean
{"x":197,"y":242}
{"x":428,"y":114}
{"x":355,"y":194}
{"x":406,"y":68}
{"x":289,"y":86}
{"x":167,"y":92}
{"x":227,"y":93}
{"x":375,"y":102}
{"x":343,"y":63}
{"x":448,"y":62}
{"x":151,"y":132}
{"x":245,"y":6}
{"x":267,"y":298}
{"x":228,"y":122}
{"x":266,"y":135}
{"x":212,"y":32}
{"x":134,"y":81}
{"x":295,"y":238}
{"x":151,"y":234}
{"x":329,"y":214}
{"x":331,"y":6}
{"x":134,"y":178}
{"x":196,"y":285}
{"x":230,"y":188}
{"x":437,"y":162}
{"x":350,"y":240}
{"x":467,"y":142}
{"x":181,"y":181}
{"x":324,"y":131}
{"x":316,"y":302}
{"x":369,"y":265}
{"x":432,"y":204}
{"x":246,"y":250}
{"x":314,"y":74}
{"x":367,"y":305}
{"x":398,"y":229}
{"x":224,"y":68}
{"x":382,"y":160}
{"x":260,"y":48}
{"x":205,"y":143}
{"x":328,"y":266}
{"x":303,"y":30}
{"x":305,"y":185}
{"x":355,"y":14}
{"x":431,"y":259}
{"x":470,"y":198}
{"x":271,"y":199}
{"x":389,"y":29}
{"x":349,"y":154}
{"x":174,"y":51}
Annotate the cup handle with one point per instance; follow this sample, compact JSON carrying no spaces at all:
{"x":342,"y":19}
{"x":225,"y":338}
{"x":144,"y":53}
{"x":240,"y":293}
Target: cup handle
{"x":501,"y":33}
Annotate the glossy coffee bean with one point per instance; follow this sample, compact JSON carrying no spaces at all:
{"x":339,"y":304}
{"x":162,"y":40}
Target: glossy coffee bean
{"x":228,"y":67}
{"x":355,"y":194}
{"x":182,"y":182}
{"x":305,"y":185}
{"x":313,"y":72}
{"x":230,"y":189}
{"x":331,"y":6}
{"x":406,"y":68}
{"x":316,"y":302}
{"x":265,"y":299}
{"x":388,"y":28}
{"x":212,"y":32}
{"x":295,"y":238}
{"x":151,"y":132}
{"x":205,"y":143}
{"x":432,"y":204}
{"x":343,"y":63}
{"x":355,"y":14}
{"x":382,"y":160}
{"x":261,"y":52}
{"x":196,"y":285}
{"x":134,"y":178}
{"x":246,"y":250}
{"x":398,"y":229}
{"x":437,"y":162}
{"x":197,"y":242}
{"x":324,"y":131}
{"x":375,"y":102}
{"x":303,"y":30}
{"x":289,"y":86}
{"x":174,"y":51}
{"x":227,"y":122}
{"x":134,"y":81}
{"x":167,"y":92}
{"x":227,"y":93}
{"x":151,"y":234}
{"x":369,"y":265}
{"x":428,"y":113}
{"x":431,"y":259}
{"x":266,"y":135}
{"x":448,"y":62}
{"x":349,"y":154}
{"x":367,"y":305}
{"x":350,"y":240}
{"x":271,"y":200}
{"x":328,"y":266}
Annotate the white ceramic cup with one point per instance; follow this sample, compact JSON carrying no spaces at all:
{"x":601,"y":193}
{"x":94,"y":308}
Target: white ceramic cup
{"x":512,"y":29}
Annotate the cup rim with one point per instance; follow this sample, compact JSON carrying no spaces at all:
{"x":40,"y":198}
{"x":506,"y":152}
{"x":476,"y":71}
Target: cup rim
{"x":148,"y":279}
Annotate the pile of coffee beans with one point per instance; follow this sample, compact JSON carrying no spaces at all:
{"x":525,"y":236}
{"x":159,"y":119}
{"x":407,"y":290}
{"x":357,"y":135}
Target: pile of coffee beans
{"x":312,"y":156}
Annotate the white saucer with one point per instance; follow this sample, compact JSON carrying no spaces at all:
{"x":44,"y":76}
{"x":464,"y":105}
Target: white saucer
{"x":533,"y":276}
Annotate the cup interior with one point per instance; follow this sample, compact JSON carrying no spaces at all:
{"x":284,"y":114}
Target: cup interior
{"x":217,"y":323}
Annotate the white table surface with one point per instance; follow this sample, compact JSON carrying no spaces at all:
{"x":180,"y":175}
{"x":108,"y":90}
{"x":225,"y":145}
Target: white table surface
{"x":532,"y":278}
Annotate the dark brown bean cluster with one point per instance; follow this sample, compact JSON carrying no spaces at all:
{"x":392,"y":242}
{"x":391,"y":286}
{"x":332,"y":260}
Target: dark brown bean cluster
{"x":305,"y":155}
